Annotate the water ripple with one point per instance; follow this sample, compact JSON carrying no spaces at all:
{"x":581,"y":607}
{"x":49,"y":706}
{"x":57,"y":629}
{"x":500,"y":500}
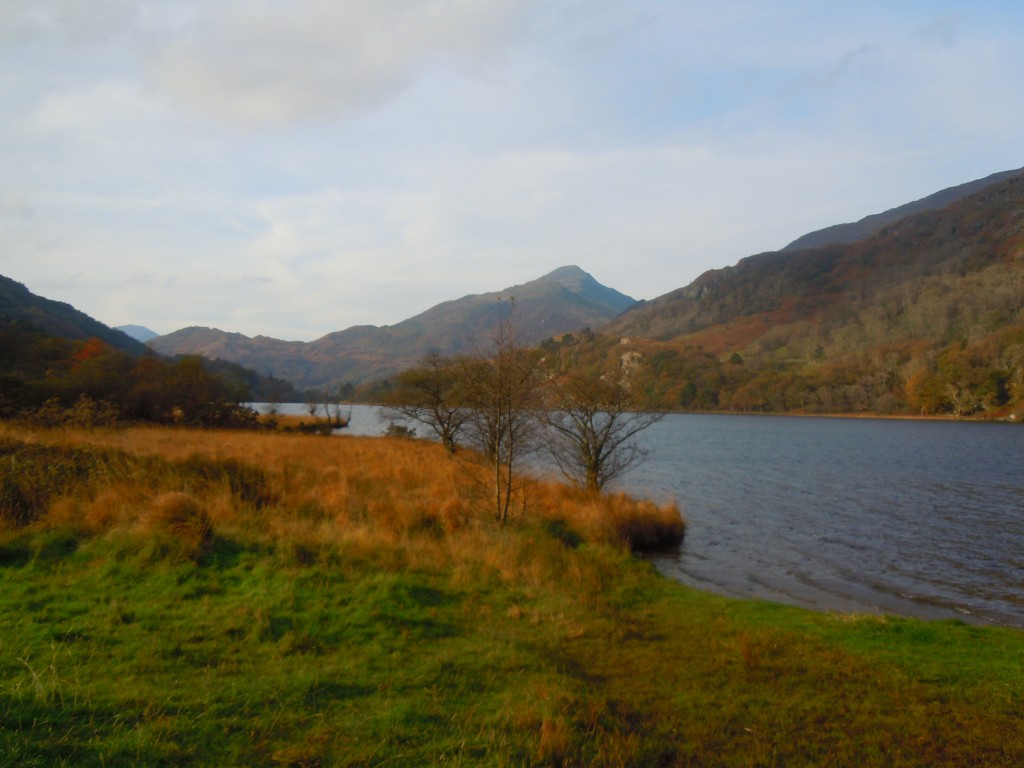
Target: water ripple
{"x":919,"y":518}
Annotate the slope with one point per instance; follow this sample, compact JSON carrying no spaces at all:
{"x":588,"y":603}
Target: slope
{"x":870,"y":225}
{"x":925,"y":316}
{"x":21,"y":307}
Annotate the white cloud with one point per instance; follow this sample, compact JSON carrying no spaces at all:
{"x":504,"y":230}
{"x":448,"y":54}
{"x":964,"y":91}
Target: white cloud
{"x":15,"y":206}
{"x":65,"y":21}
{"x":273,"y":64}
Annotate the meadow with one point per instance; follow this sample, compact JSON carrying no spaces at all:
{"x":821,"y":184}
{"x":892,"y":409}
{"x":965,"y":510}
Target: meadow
{"x":218,"y":598}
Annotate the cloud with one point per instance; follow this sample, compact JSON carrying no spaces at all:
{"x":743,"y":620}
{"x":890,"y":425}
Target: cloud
{"x":263,"y":63}
{"x":67,"y":21}
{"x":15,"y":206}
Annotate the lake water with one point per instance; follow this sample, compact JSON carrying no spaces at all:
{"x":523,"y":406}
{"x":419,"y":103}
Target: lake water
{"x":921,"y":518}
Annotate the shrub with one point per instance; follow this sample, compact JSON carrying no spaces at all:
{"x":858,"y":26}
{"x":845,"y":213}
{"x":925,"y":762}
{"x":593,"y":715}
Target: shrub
{"x":616,"y":519}
{"x":183,"y":517}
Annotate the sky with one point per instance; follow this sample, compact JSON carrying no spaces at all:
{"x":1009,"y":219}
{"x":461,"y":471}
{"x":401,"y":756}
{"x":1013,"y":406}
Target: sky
{"x":296,"y":167}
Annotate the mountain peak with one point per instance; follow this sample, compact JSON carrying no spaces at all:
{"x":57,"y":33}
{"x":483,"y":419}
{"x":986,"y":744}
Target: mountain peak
{"x":137,"y":332}
{"x":571,"y":277}
{"x":583,"y":285}
{"x":567,"y":299}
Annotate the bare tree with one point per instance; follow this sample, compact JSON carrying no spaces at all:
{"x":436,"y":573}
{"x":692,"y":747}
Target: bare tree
{"x":337,"y":409}
{"x":435,"y":395}
{"x":594,"y":421}
{"x":504,"y":396}
{"x":312,"y":404}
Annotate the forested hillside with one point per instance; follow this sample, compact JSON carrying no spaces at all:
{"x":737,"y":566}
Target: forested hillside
{"x":926,"y":317}
{"x":20,"y":306}
{"x":58,"y":365}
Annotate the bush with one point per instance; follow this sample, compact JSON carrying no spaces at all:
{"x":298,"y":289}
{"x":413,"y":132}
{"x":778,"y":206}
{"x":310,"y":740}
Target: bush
{"x":182,"y":517}
{"x":85,"y":413}
{"x":399,"y":430}
{"x":31,"y":476}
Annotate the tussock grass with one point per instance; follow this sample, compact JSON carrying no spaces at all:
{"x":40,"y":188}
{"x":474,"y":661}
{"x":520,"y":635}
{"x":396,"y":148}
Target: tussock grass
{"x":175,"y":597}
{"x":295,"y":489}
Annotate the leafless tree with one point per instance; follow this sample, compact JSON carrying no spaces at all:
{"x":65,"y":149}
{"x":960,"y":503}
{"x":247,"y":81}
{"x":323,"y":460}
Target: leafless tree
{"x":594,"y":421}
{"x":434,"y":394}
{"x":504,"y":397}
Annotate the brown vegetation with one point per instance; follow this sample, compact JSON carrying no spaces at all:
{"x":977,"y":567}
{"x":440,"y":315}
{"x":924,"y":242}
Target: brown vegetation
{"x":313,"y":496}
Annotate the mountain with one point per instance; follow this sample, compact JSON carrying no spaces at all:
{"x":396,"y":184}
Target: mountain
{"x":925,"y":316}
{"x":137,"y":332}
{"x":870,"y":225}
{"x":565,"y":300}
{"x":20,"y":306}
{"x":971,"y":234}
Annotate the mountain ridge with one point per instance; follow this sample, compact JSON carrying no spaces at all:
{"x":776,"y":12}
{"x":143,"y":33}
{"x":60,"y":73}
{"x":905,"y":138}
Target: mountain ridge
{"x":926,"y":317}
{"x":566,"y":299}
{"x":918,"y":243}
{"x":869,"y":225}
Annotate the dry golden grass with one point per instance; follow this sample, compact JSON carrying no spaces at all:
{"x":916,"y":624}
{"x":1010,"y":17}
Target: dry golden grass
{"x":183,"y":516}
{"x":316,"y":496}
{"x":616,"y":519}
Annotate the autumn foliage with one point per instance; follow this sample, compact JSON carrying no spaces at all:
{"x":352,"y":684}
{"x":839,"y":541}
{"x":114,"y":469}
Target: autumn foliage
{"x":86,"y":383}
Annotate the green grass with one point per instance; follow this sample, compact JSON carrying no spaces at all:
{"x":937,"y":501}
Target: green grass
{"x":108,"y":657}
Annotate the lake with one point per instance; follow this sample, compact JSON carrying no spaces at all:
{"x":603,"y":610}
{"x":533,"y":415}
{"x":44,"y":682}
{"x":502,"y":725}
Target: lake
{"x":920,"y":518}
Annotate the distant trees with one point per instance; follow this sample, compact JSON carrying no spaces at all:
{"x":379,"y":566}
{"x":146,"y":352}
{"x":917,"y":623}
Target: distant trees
{"x":336,"y":405}
{"x":90,"y":381}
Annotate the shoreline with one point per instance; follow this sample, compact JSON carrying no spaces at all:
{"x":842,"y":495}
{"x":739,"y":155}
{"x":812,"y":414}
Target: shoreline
{"x":1009,"y":419}
{"x":822,"y":601}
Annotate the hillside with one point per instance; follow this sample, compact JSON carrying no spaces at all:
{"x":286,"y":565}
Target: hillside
{"x":925,"y":316}
{"x":567,"y":299}
{"x":50,"y":350}
{"x":871,"y":225}
{"x":21,"y":307}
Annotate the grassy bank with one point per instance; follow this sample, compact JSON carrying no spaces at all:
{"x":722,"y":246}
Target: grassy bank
{"x":175,"y":597}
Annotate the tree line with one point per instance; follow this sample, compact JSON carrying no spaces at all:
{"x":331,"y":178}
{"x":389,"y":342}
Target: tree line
{"x":54,"y":380}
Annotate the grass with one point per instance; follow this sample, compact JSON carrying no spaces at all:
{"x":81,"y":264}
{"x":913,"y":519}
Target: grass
{"x":175,"y":597}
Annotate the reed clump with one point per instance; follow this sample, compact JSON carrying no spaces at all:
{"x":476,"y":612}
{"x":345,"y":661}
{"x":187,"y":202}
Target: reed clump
{"x":181,"y":516}
{"x":615,"y":519}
